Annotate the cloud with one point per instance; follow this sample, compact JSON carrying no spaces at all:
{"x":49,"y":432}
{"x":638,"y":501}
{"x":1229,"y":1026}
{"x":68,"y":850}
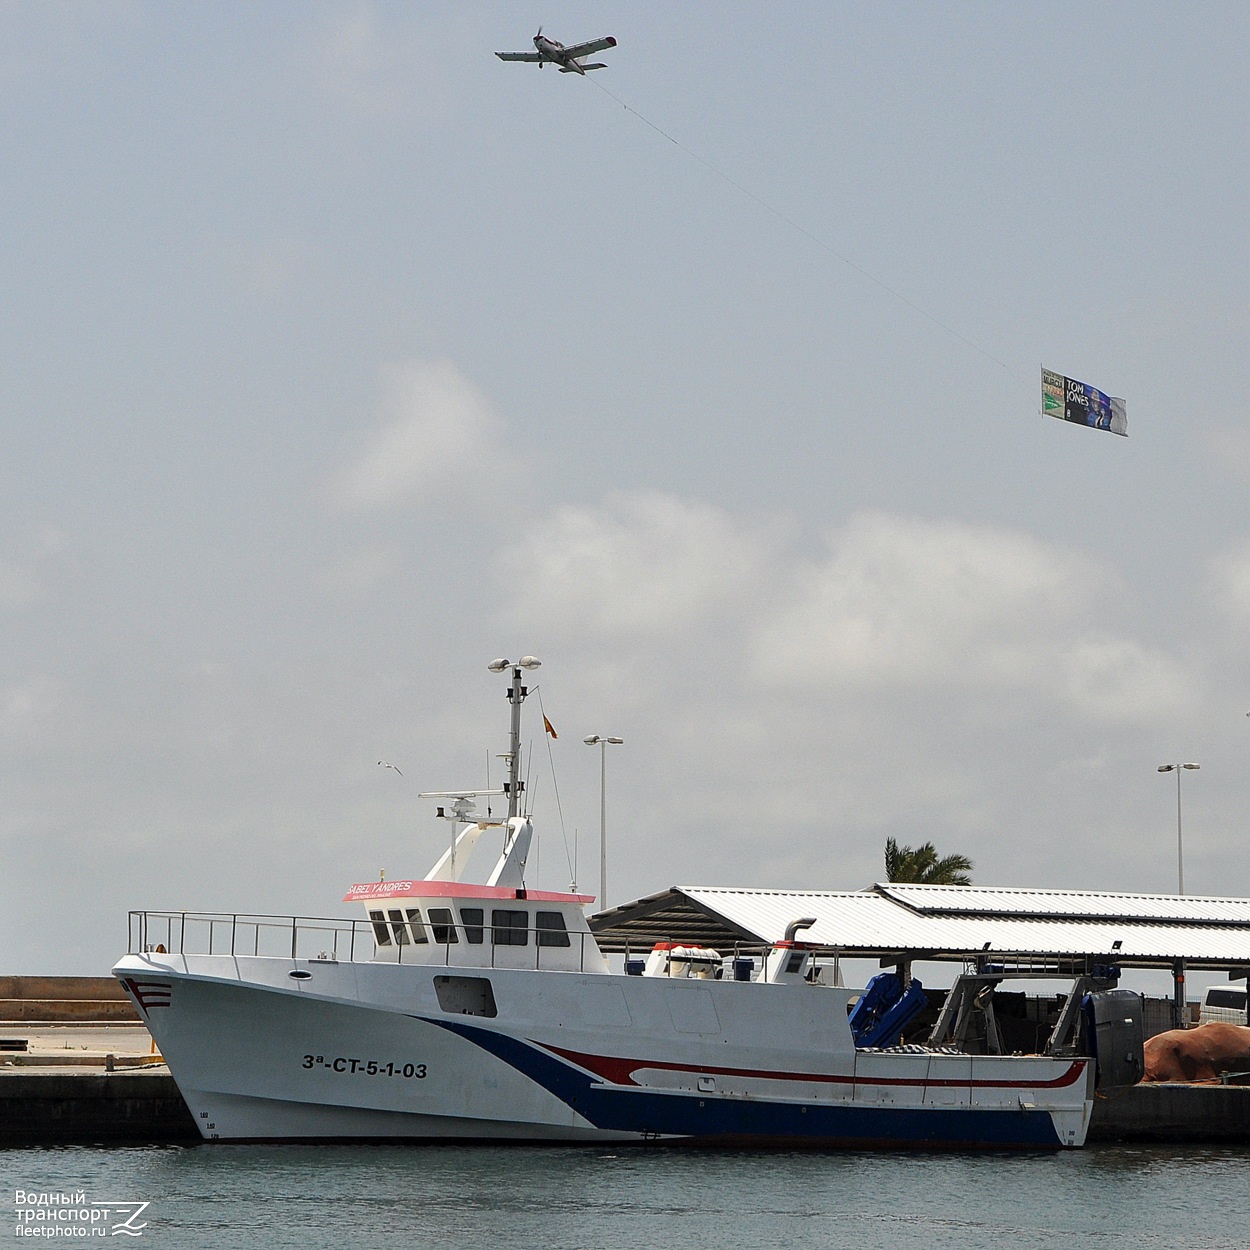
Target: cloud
{"x":438,"y":426}
{"x":789,"y":700}
{"x":1228,"y":574}
{"x":891,"y":604}
{"x":904,"y":600}
{"x":643,"y":565}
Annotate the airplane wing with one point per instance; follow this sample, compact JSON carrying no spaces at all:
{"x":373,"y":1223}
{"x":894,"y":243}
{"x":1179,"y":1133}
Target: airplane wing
{"x":518,"y":56}
{"x":579,"y":50}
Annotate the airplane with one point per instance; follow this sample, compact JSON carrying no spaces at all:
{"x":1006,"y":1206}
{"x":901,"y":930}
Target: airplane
{"x":568,"y":59}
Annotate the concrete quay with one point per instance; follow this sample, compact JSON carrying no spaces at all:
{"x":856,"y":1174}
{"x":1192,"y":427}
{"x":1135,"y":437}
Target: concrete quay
{"x":89,"y":1107}
{"x":83,"y":1083}
{"x":1179,"y":1114}
{"x":86,"y":1083}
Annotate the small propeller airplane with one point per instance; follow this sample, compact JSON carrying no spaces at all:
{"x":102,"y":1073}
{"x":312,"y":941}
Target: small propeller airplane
{"x":570,"y":60}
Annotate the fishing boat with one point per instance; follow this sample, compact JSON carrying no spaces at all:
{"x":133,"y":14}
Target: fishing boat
{"x":466,"y":1011}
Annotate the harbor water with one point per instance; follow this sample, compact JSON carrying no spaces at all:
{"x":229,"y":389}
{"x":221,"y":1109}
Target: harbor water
{"x":467,"y":1198}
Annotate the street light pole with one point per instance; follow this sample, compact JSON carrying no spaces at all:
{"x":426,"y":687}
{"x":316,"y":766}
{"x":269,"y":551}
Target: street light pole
{"x":1178,"y":968}
{"x":1180,"y":853}
{"x":602,"y":743}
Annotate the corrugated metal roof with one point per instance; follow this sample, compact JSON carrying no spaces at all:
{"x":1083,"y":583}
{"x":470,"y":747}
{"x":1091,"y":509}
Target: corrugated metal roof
{"x":670,"y":915}
{"x":1038,"y":923}
{"x":1069,"y":904}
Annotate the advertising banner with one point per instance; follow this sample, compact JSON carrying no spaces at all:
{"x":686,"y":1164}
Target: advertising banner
{"x":1070,"y":400}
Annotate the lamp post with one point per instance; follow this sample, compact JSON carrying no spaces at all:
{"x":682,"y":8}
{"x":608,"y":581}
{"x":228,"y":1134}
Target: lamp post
{"x":598,"y":740}
{"x":1180,"y":854}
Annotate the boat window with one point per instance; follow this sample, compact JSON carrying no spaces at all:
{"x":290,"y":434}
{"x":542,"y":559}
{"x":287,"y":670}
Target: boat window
{"x":443,"y":925}
{"x":414,"y":923}
{"x":472,"y":918}
{"x":551,"y":929}
{"x":509,"y":928}
{"x":466,"y":996}
{"x":397,"y":926}
{"x":381,"y":934}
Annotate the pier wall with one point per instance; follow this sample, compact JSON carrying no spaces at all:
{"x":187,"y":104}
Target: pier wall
{"x":84,"y":1108}
{"x":63,"y":1000}
{"x":1207,"y":1114}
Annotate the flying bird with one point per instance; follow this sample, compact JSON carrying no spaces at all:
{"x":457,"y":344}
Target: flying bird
{"x":384,"y":764}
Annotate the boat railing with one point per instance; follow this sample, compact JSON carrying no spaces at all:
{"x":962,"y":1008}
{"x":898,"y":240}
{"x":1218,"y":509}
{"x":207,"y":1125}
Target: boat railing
{"x":343,"y":940}
{"x":239,"y":933}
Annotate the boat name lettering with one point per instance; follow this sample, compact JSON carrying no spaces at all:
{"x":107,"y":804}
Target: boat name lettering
{"x":366,"y":1067}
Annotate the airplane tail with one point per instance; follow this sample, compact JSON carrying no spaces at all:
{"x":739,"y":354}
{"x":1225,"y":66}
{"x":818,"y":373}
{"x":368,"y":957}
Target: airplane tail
{"x":581,"y":69}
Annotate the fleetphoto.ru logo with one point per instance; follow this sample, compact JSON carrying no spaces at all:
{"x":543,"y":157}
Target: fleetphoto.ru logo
{"x":75,"y":1216}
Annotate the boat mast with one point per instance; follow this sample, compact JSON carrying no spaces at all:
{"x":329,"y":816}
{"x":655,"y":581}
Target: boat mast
{"x":516,"y":696}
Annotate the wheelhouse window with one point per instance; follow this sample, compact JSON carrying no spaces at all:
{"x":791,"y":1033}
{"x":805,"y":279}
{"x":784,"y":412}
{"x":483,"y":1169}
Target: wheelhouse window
{"x":443,"y":926}
{"x":381,"y":934}
{"x":551,"y":929}
{"x":474,"y":920}
{"x":414,"y":923}
{"x":509,"y":928}
{"x":398,"y":928}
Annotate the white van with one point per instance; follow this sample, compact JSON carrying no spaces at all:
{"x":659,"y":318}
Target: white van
{"x":1223,"y":1003}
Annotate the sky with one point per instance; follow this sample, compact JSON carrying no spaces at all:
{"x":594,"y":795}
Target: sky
{"x":341,"y":358}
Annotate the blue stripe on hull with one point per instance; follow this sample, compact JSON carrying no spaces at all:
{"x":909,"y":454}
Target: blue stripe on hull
{"x":712,"y":1118}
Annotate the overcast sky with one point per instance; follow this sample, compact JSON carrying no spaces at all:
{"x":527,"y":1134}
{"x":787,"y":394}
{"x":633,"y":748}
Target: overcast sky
{"x":340,"y":358}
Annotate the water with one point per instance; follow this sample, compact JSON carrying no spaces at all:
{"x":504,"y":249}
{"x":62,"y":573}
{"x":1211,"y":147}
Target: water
{"x":449,"y":1198}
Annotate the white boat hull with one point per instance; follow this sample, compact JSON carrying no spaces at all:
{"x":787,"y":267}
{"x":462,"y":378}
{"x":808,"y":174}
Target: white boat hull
{"x":367,"y":1051}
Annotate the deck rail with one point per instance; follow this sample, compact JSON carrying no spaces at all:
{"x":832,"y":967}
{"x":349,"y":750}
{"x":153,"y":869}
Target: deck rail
{"x":343,"y":940}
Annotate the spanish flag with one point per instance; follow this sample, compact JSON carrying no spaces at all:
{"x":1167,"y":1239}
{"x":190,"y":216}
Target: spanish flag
{"x":548,"y":727}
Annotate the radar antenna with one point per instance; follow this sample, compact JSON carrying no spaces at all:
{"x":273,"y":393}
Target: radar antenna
{"x":516,"y":693}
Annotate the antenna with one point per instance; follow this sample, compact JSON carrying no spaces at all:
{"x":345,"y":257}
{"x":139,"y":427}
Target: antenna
{"x":516,"y":696}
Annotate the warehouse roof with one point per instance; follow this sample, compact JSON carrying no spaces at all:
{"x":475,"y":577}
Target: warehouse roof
{"x":946,"y":922}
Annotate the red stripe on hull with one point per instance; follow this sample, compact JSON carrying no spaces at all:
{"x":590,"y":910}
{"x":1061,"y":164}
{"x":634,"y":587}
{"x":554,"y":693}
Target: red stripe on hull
{"x":620,"y":1072}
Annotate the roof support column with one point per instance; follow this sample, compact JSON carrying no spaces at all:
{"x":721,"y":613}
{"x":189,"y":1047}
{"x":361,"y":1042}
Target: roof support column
{"x":1180,"y":1009}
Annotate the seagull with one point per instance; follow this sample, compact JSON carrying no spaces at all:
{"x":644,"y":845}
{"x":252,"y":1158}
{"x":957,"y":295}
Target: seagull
{"x":384,"y":764}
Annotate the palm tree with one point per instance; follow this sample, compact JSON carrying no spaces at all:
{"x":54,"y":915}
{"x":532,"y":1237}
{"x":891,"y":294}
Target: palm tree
{"x":923,"y":866}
